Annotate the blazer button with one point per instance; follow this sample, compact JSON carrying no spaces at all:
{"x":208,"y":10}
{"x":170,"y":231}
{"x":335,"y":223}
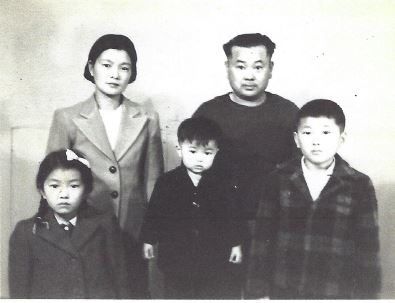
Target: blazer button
{"x":114,"y":194}
{"x":112,"y":169}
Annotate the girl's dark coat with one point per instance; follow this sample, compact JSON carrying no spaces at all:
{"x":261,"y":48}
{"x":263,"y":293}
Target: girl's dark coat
{"x":45,"y":262}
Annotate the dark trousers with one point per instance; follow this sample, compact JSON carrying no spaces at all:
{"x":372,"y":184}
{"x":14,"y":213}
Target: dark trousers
{"x":214,"y":283}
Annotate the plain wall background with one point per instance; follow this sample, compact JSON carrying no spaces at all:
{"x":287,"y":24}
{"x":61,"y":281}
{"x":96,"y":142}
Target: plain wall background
{"x":337,"y":49}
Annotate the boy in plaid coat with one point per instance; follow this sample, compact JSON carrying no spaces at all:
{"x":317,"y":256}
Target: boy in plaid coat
{"x":316,"y":234}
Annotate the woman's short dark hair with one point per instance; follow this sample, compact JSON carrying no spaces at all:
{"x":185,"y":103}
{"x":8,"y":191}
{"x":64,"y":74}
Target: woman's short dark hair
{"x":111,"y":41}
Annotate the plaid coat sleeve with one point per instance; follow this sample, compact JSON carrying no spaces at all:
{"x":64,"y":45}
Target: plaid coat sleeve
{"x":259,"y":267}
{"x":366,"y":235}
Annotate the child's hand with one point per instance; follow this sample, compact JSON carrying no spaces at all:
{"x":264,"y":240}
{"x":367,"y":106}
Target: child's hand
{"x":148,"y":251}
{"x":236,"y":256}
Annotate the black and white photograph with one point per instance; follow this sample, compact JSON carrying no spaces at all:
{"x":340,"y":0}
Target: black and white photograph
{"x":197,"y":149}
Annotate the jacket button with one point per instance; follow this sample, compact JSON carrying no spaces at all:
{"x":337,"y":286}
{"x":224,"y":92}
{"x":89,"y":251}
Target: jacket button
{"x":112,"y":169}
{"x":114,"y":194}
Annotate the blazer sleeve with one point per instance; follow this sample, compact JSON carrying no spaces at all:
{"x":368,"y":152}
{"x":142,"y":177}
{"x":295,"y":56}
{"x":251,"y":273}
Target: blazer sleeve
{"x":117,"y":258}
{"x":366,"y":236}
{"x":154,"y":157}
{"x":20,"y":263}
{"x":152,"y":219}
{"x":59,"y":134}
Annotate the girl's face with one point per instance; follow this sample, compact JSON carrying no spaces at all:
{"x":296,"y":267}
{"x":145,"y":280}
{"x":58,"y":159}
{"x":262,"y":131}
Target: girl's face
{"x":111,"y":71}
{"x":64,"y":191}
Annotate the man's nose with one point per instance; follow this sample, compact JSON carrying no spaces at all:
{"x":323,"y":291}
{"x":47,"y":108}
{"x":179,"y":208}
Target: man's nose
{"x":249,"y":74}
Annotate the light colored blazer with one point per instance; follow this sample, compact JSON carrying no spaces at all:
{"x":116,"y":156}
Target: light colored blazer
{"x":123,"y":178}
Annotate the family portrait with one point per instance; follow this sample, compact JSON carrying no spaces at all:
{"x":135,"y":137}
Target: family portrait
{"x":197,"y":149}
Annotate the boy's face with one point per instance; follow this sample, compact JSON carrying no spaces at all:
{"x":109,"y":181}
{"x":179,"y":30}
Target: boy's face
{"x":249,"y":70}
{"x":319,"y":139}
{"x":198,"y":158}
{"x":64,"y":191}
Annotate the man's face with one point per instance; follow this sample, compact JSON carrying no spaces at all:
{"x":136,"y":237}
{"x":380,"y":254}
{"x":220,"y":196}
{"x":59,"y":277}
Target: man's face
{"x":249,"y":70}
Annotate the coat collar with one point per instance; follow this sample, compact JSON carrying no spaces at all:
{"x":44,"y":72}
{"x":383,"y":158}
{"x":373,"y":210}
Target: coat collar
{"x":341,"y":172}
{"x":91,"y":124}
{"x":83,"y":231}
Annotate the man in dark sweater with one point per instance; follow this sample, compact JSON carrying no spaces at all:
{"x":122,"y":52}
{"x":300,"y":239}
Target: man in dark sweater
{"x":258,"y":125}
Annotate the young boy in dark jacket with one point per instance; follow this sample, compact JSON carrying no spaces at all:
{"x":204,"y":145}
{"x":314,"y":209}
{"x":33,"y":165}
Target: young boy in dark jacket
{"x":316,"y":235}
{"x":192,"y":216}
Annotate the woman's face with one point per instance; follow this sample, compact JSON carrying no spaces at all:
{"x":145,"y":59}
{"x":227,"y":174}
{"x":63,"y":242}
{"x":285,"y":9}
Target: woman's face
{"x":111,"y":71}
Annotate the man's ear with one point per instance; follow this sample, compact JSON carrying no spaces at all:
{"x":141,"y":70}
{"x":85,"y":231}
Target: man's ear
{"x":271,"y":69}
{"x":296,"y":139}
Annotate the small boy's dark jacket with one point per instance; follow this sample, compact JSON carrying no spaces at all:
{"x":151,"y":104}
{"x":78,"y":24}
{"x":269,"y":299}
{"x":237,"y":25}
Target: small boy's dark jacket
{"x":45,"y":262}
{"x":193,"y":225}
{"x":323,"y":249}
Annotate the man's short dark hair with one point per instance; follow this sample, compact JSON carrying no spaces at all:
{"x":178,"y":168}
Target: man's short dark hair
{"x":201,"y":130}
{"x":322,"y":108}
{"x":250,"y":40}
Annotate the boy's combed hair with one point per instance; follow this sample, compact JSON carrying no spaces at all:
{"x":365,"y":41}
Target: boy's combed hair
{"x":112,"y":41}
{"x":250,"y":40}
{"x":322,"y":108}
{"x":201,"y":130}
{"x":55,"y":160}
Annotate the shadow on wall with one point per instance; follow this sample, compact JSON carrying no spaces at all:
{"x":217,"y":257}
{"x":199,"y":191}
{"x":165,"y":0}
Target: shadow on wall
{"x":385,"y":196}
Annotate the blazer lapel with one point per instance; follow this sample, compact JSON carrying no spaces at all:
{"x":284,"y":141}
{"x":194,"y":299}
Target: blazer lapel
{"x":54,"y":234}
{"x":299,"y":183}
{"x":131,"y":126}
{"x":90,"y":123}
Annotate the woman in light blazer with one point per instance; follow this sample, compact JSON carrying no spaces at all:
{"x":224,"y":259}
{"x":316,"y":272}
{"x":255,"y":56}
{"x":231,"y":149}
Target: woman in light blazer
{"x":120,"y":138}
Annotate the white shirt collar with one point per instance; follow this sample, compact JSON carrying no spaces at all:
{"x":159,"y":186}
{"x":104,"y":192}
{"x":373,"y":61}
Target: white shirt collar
{"x":327,"y":172}
{"x":64,"y":221}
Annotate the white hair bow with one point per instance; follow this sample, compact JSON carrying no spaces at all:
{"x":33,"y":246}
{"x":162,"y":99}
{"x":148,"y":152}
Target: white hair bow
{"x":70,"y":155}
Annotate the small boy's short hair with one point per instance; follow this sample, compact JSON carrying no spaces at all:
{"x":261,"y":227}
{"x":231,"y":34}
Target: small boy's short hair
{"x":250,"y":40}
{"x":322,"y":108}
{"x":201,"y":130}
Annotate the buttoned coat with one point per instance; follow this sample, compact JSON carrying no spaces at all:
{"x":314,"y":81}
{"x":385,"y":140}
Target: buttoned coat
{"x":123,"y":178}
{"x":45,"y":262}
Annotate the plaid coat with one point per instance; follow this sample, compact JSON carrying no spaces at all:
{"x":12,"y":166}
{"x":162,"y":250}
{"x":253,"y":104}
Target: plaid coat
{"x":320,"y":249}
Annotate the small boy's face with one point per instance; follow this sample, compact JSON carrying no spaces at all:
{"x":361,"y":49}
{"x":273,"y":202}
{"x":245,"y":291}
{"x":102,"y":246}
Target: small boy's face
{"x":198,"y":158}
{"x":64,"y":191}
{"x":319,"y":139}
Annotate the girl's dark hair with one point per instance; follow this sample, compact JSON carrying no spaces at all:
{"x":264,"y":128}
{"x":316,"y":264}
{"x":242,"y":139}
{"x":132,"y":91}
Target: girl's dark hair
{"x":111,"y":41}
{"x":201,"y":130}
{"x":55,"y":160}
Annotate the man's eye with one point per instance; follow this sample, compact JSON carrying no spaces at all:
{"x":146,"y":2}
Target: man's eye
{"x":125,"y":68}
{"x":258,"y":67}
{"x":75,"y":186}
{"x":240,"y":67}
{"x":306,"y":132}
{"x":209,"y":153}
{"x":326,"y":132}
{"x":106,"y":65}
{"x":192,"y":151}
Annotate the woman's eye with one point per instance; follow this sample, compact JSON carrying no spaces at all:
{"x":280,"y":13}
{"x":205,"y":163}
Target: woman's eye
{"x":125,"y":68}
{"x":306,"y":133}
{"x":326,"y":132}
{"x":106,"y":65}
{"x":75,"y":186}
{"x":53,"y":185}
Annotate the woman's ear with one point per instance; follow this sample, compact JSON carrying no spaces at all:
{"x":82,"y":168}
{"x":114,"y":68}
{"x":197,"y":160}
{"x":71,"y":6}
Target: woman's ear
{"x":90,"y":66}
